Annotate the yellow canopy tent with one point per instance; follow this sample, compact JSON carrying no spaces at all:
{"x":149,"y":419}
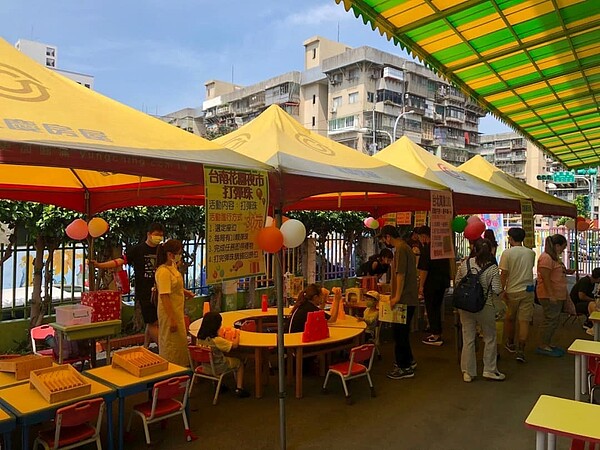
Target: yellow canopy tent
{"x":310,"y":164}
{"x":64,"y":144}
{"x":470,"y":193}
{"x":543,"y":203}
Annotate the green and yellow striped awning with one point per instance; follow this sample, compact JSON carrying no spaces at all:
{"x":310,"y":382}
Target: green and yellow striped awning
{"x":535,"y":64}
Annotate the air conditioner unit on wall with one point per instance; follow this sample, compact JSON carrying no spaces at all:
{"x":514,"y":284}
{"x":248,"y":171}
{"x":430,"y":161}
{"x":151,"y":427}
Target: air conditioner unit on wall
{"x":333,"y":109}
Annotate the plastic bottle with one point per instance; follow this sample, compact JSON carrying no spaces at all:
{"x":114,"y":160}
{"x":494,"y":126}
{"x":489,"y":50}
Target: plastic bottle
{"x":264,"y":304}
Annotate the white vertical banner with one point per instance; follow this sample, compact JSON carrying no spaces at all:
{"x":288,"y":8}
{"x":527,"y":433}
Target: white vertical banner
{"x":440,"y":221}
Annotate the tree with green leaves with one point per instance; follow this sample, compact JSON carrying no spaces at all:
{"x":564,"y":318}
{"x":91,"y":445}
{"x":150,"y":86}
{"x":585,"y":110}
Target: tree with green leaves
{"x":322,"y":223}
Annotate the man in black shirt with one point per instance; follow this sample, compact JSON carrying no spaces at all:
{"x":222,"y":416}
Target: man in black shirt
{"x":434,"y":278}
{"x":142,"y":257}
{"x":582,"y":295}
{"x":377,"y":265}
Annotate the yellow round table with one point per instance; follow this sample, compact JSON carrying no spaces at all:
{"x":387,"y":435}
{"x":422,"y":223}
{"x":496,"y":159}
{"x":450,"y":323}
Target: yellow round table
{"x":343,"y":334}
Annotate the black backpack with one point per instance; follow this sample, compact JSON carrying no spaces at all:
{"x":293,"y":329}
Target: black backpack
{"x":469,"y":294}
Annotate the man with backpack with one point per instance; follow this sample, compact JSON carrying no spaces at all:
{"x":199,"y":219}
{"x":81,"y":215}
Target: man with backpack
{"x":516,"y":276}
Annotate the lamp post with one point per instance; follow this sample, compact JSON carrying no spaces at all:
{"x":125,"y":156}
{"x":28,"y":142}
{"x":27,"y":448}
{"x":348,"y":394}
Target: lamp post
{"x":400,"y":116}
{"x":374,"y":131}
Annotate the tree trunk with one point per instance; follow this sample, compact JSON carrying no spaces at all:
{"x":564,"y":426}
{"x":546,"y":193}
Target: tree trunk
{"x":36,"y":292}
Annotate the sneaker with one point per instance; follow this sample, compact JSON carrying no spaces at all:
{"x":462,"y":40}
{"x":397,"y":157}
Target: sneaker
{"x":588,"y":324}
{"x":510,"y":347}
{"x":413,"y":364}
{"x":520,"y":356}
{"x":242,"y":393}
{"x":554,"y":352}
{"x":467,"y":378}
{"x":590,"y":331}
{"x":399,"y":373}
{"x":433,"y":340}
{"x":494,"y":376}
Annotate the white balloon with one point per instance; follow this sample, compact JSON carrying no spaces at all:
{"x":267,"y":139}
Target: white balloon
{"x":269,"y":222}
{"x":294,"y":233}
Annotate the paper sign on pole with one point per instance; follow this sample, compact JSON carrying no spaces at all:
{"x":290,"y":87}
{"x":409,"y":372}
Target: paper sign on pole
{"x":440,"y":220}
{"x":420,"y":218}
{"x":527,"y":223}
{"x":404,"y":218}
{"x":236,"y":209}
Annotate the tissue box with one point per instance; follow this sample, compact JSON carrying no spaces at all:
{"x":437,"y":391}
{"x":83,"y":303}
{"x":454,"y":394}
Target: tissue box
{"x":73,"y":315}
{"x":106,"y":305}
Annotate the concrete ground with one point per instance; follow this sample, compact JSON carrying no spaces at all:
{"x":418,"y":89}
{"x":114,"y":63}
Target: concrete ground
{"x":434,"y":410}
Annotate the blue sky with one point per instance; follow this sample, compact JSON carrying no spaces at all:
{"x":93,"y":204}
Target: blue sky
{"x":155,"y":55}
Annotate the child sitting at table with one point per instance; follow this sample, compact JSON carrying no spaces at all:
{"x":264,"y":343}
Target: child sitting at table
{"x":212,"y":335}
{"x":371,"y":314}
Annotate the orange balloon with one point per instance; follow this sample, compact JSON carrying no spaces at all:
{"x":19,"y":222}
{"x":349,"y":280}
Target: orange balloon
{"x":284,"y":219}
{"x":270,"y":239}
{"x":77,"y":230}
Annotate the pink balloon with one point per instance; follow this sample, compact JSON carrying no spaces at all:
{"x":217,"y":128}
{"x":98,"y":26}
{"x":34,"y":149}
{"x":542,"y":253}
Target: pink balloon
{"x":368,"y":221}
{"x":77,"y":230}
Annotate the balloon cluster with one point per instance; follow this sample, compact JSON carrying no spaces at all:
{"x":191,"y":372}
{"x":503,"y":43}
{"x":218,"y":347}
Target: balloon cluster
{"x":580,"y":224}
{"x":372,"y":223}
{"x":472,"y":227}
{"x":291,"y":234}
{"x":79,"y":228}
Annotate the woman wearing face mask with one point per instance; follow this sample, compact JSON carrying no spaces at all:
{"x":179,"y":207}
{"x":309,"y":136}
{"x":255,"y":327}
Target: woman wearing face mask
{"x":552,"y":291}
{"x":172,"y":335}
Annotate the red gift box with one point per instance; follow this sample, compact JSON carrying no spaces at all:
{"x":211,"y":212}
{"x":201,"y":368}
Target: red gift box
{"x":106,"y":305}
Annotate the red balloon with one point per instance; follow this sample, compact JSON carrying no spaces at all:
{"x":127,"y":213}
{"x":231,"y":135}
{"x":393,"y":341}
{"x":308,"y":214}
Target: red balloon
{"x":381,"y":221}
{"x":473,"y":219}
{"x":473,"y":231}
{"x":582,"y":224}
{"x":270,"y":239}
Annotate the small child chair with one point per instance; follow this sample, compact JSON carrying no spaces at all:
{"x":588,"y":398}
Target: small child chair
{"x":165,"y":403}
{"x":40,"y":333}
{"x":578,"y":444}
{"x":354,"y":368}
{"x":72,"y":426}
{"x":200,"y":354}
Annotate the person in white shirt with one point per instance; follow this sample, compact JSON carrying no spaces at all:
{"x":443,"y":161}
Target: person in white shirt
{"x":516,"y":276}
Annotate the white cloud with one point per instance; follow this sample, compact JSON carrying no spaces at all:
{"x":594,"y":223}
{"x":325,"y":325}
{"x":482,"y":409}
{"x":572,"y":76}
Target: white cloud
{"x":319,"y":15}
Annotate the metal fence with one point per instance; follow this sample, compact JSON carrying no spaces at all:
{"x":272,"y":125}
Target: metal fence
{"x":69,"y":273}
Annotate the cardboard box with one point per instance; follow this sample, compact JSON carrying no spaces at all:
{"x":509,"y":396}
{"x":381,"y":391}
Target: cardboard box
{"x":139,"y":361}
{"x":59,"y":383}
{"x":73,"y":315}
{"x":106,"y":305}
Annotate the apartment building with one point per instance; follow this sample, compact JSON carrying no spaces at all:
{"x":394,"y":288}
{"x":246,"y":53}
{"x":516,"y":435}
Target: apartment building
{"x":47,"y":55}
{"x":518,"y":157}
{"x":358,"y":97}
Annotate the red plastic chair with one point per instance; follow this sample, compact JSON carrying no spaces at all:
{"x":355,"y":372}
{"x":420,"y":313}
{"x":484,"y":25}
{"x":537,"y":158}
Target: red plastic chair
{"x":249,"y":325}
{"x":578,"y":444}
{"x":593,"y":376}
{"x":202,"y":359}
{"x":169,"y":399}
{"x":354,"y":368}
{"x":40,"y":333}
{"x":72,"y":426}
